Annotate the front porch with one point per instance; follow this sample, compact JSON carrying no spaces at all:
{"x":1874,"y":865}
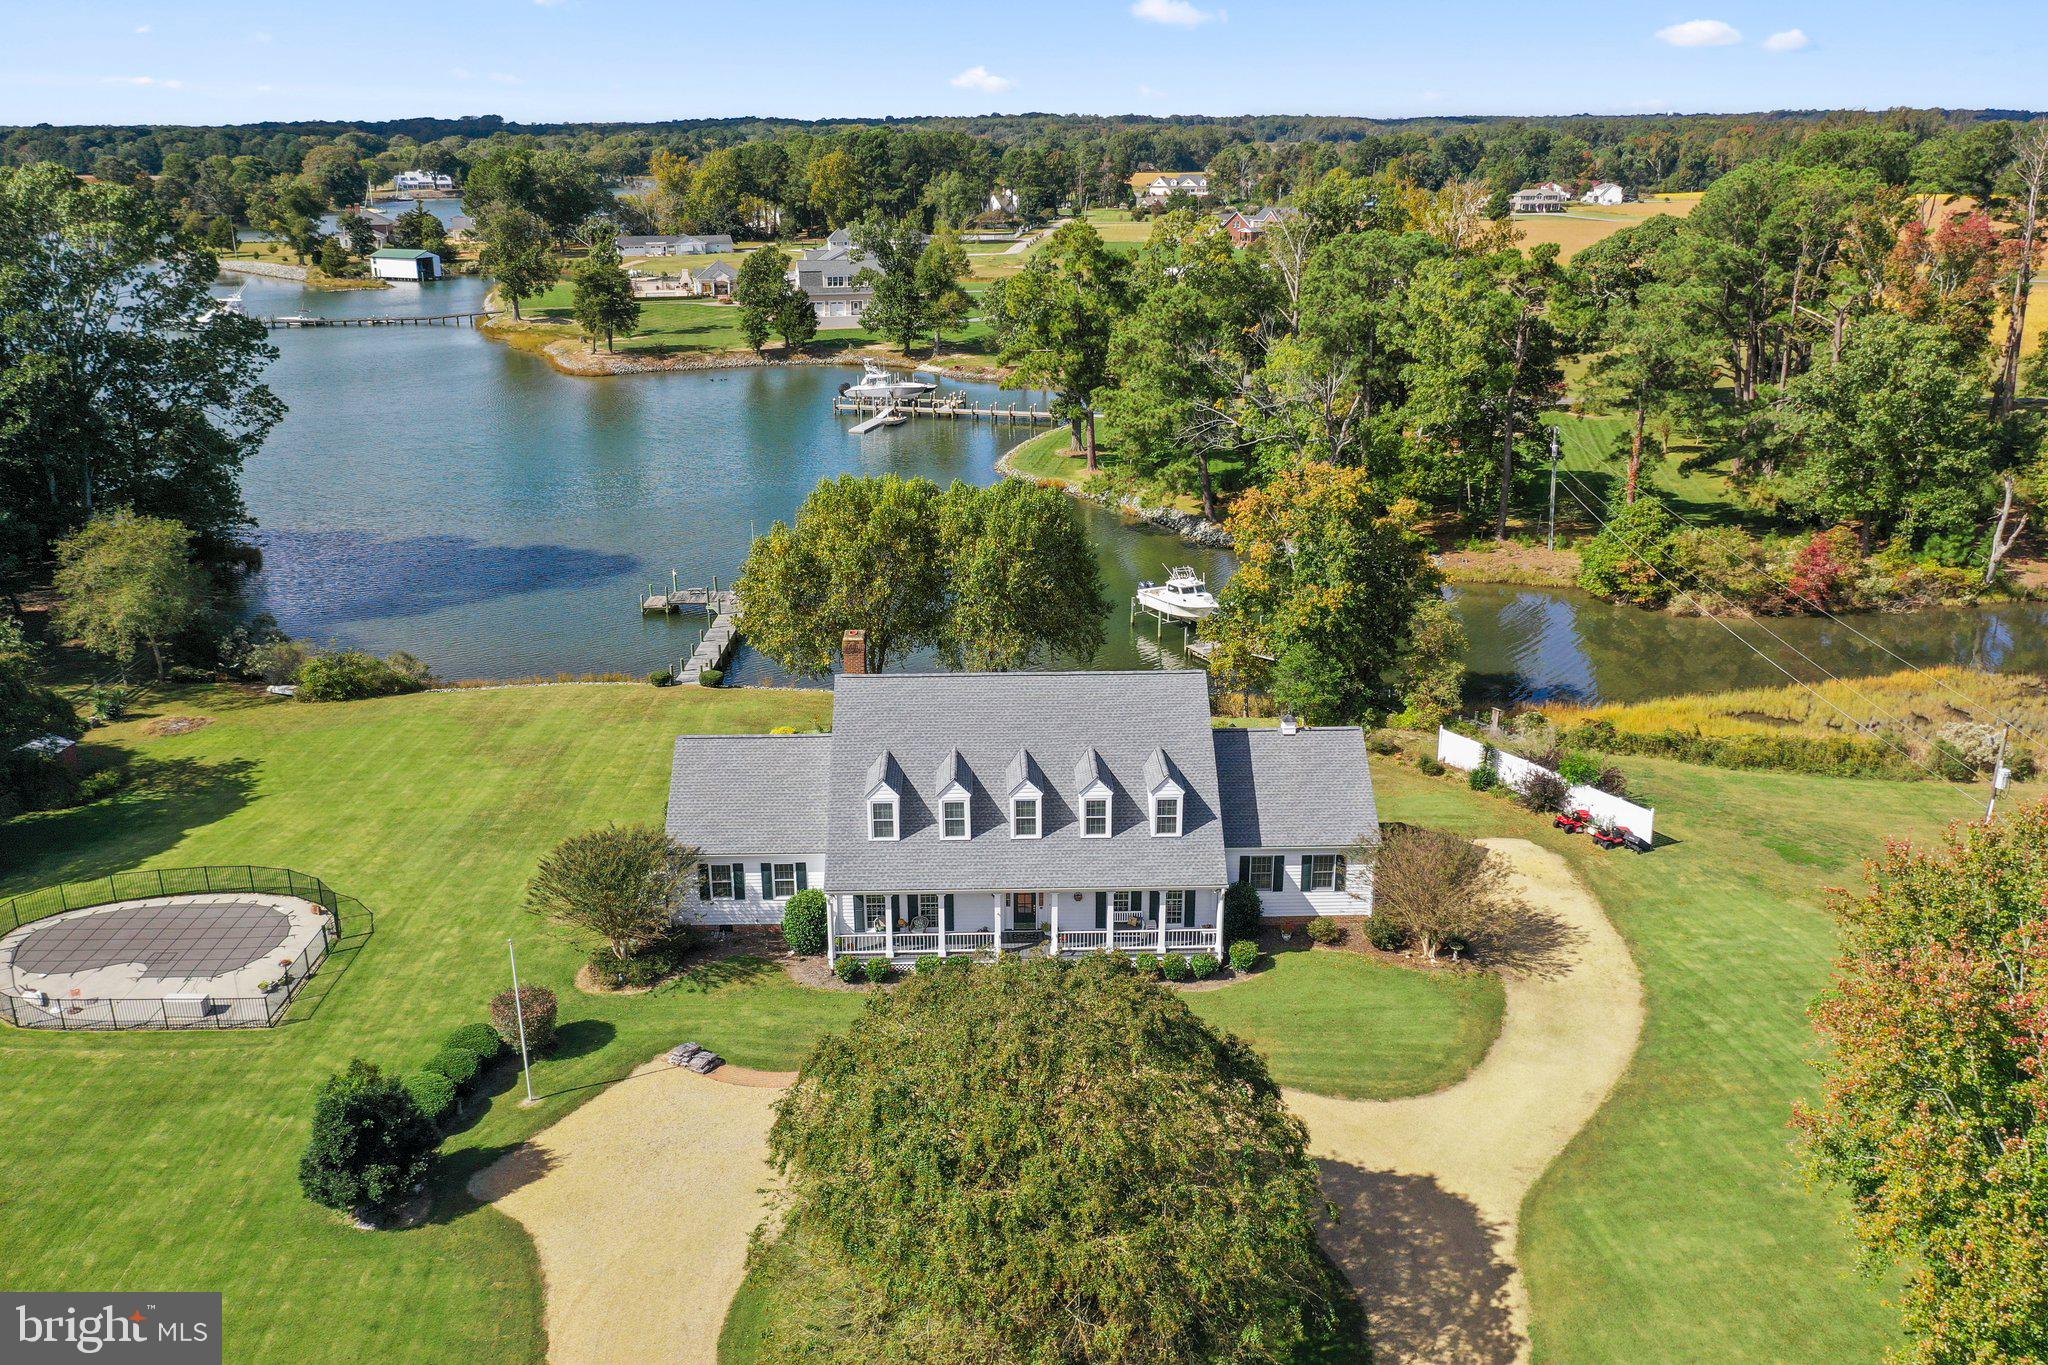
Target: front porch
{"x":901,"y":925}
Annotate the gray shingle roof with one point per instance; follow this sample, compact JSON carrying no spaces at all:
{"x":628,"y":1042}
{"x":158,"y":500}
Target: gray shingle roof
{"x":750,"y":793}
{"x":1311,"y":789}
{"x":992,"y":719}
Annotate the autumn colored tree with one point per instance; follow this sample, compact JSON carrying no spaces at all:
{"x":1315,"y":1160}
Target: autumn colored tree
{"x":1933,"y":1117}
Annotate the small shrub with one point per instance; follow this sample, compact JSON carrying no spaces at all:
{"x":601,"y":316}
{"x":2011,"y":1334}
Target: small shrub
{"x":849,"y":970}
{"x":371,"y":1143}
{"x":660,"y":677}
{"x":1244,"y":955}
{"x":876,"y":969}
{"x":1485,"y":777}
{"x":1325,"y":931}
{"x":1385,"y":935}
{"x":1542,"y":792}
{"x":536,"y":1007}
{"x":458,"y":1064}
{"x":711,"y":677}
{"x":1145,"y":964}
{"x":648,"y":965}
{"x":1174,"y":967}
{"x":1952,"y":763}
{"x":1429,"y":764}
{"x":278,"y":662}
{"x":1611,"y":780}
{"x":352,"y":675}
{"x":100,"y":785}
{"x":1579,"y":769}
{"x":1202,"y":966}
{"x":1242,"y":911}
{"x":481,"y":1039}
{"x":1383,"y":745}
{"x":432,"y":1092}
{"x":106,"y":703}
{"x":803,"y":922}
{"x":927,"y":965}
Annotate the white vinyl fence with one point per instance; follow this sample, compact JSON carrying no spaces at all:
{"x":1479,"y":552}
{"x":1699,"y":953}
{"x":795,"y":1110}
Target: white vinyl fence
{"x":1454,"y":750}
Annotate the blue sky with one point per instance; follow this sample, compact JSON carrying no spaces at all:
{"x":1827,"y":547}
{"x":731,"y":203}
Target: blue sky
{"x":217,"y":61}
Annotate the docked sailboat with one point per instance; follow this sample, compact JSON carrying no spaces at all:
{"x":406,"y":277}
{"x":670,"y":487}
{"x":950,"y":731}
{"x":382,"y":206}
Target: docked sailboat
{"x":1184,"y":596}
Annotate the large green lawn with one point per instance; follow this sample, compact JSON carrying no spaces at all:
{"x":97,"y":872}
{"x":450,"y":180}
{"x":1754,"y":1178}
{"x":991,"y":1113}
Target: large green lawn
{"x":167,"y":1160}
{"x":1316,"y":1014}
{"x":684,"y":325}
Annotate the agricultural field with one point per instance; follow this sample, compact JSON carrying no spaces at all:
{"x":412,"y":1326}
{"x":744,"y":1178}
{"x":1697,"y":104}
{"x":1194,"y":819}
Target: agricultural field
{"x":1584,"y":224}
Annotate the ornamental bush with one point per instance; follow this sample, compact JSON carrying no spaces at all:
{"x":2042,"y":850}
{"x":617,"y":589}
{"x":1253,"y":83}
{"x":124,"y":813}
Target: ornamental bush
{"x":536,"y":1006}
{"x":458,"y":1064}
{"x":1485,"y":777}
{"x":1202,"y":966}
{"x":1325,"y":931}
{"x":351,"y":675}
{"x":1065,"y":1140}
{"x":1174,"y":967}
{"x":1431,"y":765}
{"x":433,"y":1092}
{"x":876,"y":969}
{"x":480,"y":1039}
{"x":803,"y":922}
{"x":371,"y":1144}
{"x":711,"y":677}
{"x":1579,"y":769}
{"x":1542,"y":792}
{"x":849,"y":970}
{"x":1386,"y":935}
{"x":1244,"y":955}
{"x":1146,"y":964}
{"x":1242,"y":910}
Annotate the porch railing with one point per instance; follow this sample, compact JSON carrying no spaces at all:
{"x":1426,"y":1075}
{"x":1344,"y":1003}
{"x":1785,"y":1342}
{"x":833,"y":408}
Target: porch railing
{"x":1134,"y":940}
{"x":1082,"y":940}
{"x":1190,"y":938}
{"x":919,"y":942}
{"x":971,"y":941}
{"x":863,"y":943}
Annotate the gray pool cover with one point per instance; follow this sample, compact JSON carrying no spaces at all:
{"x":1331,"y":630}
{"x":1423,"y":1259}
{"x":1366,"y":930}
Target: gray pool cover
{"x":191,"y":939}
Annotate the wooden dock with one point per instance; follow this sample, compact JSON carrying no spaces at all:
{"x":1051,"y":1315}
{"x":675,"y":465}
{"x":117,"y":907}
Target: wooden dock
{"x":379,"y":320}
{"x":721,"y":604}
{"x":956,"y":405}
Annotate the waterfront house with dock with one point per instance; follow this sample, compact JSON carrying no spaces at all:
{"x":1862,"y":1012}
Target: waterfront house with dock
{"x":963,"y":813}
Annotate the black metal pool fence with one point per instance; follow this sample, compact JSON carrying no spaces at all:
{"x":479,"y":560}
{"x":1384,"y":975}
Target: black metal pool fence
{"x":89,"y":1013}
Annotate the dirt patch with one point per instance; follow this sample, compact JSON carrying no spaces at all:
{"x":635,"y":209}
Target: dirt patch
{"x":1430,"y":1189}
{"x":176,"y":725}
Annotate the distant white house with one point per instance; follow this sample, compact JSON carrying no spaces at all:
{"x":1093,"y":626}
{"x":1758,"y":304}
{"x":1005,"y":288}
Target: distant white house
{"x":398,"y":263}
{"x":422,"y":180}
{"x":714,"y":281}
{"x":676,"y":244}
{"x":1606,"y":192}
{"x":1165,"y":184}
{"x":830,"y":274}
{"x":1548,"y":198}
{"x":1002,"y":201}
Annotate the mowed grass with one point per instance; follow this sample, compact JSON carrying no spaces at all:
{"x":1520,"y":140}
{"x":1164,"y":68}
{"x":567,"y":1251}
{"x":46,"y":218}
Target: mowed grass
{"x":168,"y":1161}
{"x":670,"y":326}
{"x":1584,"y":224}
{"x":1315,"y":1015}
{"x":1679,"y":1226}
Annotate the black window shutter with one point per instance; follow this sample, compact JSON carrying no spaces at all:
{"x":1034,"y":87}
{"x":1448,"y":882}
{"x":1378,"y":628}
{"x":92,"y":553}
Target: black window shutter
{"x":949,"y":912}
{"x":1155,"y":907}
{"x":767,"y":881}
{"x":1339,"y":875}
{"x":802,"y":882}
{"x":1244,"y":868}
{"x":739,"y":881}
{"x":703,"y":882}
{"x":1102,"y":909}
{"x":1187,"y":909}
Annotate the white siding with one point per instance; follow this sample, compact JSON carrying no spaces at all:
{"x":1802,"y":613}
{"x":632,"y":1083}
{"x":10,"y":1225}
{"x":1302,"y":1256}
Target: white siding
{"x":756,"y":906}
{"x":1292,"y":902}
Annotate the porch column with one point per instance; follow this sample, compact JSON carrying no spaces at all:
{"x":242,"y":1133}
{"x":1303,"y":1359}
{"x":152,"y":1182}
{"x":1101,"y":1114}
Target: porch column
{"x":1221,"y":954}
{"x":945,"y":930}
{"x":832,"y":935}
{"x":1162,"y":924}
{"x":1055,"y":924}
{"x":998,"y":897}
{"x":889,"y":934}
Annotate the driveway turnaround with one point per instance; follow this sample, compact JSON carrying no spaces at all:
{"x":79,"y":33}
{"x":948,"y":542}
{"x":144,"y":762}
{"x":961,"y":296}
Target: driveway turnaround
{"x":1430,"y":1189}
{"x":640,"y":1204}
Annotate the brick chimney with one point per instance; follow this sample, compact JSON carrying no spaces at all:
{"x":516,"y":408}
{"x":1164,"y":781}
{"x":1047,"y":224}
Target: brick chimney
{"x":853,"y":648}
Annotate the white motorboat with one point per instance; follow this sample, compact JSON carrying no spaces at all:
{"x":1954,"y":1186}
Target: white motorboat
{"x":231,"y":303}
{"x":1182,"y":597}
{"x":879,"y":384}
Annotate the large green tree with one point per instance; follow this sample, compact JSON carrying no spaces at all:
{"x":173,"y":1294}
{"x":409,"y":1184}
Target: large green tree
{"x":1022,"y":584}
{"x":1053,"y":322}
{"x":941,"y":267}
{"x":126,"y":585}
{"x":1933,"y":1118}
{"x":560,"y":188}
{"x":518,"y":254}
{"x":621,"y":884}
{"x":900,"y":309}
{"x":603,"y":302}
{"x":1321,"y":607}
{"x":121,"y":384}
{"x":1051,"y":1161}
{"x":769,"y":302}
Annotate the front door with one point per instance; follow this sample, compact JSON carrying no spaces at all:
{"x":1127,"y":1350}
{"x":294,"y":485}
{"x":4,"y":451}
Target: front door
{"x":1024,"y":909}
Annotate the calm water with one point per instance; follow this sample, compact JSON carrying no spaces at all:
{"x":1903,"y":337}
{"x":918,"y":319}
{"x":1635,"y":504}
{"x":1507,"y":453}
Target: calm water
{"x":436,"y":492}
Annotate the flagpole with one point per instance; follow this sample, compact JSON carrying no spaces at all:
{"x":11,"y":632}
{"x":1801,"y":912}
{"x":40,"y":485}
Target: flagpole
{"x":519,"y":1013}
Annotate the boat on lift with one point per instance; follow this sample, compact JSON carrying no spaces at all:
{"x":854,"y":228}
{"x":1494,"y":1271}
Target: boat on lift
{"x":1184,"y":596}
{"x":880,"y":385}
{"x":229,"y":303}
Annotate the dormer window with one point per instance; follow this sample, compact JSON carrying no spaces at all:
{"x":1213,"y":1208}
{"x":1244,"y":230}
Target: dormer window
{"x":953,"y":816}
{"x":1024,"y":817}
{"x":882,"y":819}
{"x":1095,"y":818}
{"x":1166,"y":813}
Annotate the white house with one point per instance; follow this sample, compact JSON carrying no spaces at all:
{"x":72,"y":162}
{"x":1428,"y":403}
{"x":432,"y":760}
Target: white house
{"x":1164,"y":184}
{"x":422,"y":180}
{"x":1606,"y":192}
{"x":398,"y":263}
{"x":1546,"y":198}
{"x":676,"y":244}
{"x":830,"y":274}
{"x":962,"y":813}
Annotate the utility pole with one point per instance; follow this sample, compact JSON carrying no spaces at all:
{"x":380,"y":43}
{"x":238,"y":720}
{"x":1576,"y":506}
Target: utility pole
{"x":519,"y":1013}
{"x":1551,"y":542}
{"x":1999,"y":777}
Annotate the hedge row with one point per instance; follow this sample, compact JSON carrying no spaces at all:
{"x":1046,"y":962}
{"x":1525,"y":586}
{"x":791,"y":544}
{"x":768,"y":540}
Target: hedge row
{"x":1822,"y":756}
{"x":463,"y":1054}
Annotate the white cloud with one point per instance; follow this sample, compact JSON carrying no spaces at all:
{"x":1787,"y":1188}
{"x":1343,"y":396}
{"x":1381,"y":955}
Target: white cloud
{"x":547,"y":2}
{"x":1791,"y":40}
{"x":1700,"y":33}
{"x":142,"y":28}
{"x":260,"y":37}
{"x":157,"y":81}
{"x":982,"y":79}
{"x":1147,"y":92}
{"x":461,"y":73}
{"x":504,"y":78}
{"x":1177,"y":12}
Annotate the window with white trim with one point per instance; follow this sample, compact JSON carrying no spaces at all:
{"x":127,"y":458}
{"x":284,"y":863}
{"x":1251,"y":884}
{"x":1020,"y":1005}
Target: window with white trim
{"x":1095,"y":818}
{"x":784,"y":879}
{"x":1263,"y":870}
{"x":1180,"y":909}
{"x":722,"y":888}
{"x":1125,"y":905}
{"x":1322,"y":871}
{"x":881,"y":819}
{"x":874,"y":914}
{"x":1024,"y":817}
{"x":955,"y":816}
{"x":924,"y":912}
{"x":1165,"y":814}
